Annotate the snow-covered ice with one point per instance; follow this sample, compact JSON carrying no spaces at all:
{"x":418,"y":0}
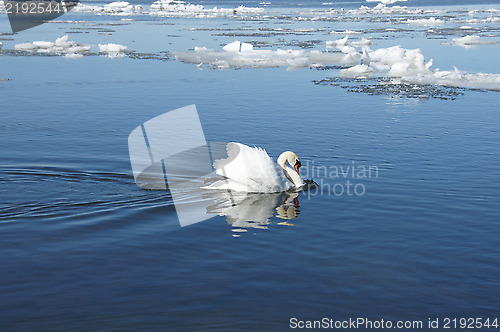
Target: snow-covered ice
{"x":473,"y":41}
{"x":386,"y":2}
{"x":400,"y":64}
{"x":237,"y":55}
{"x":426,"y":21}
{"x":119,"y":8}
{"x":113,"y":50}
{"x":357,"y":71}
{"x":60,"y":46}
{"x":169,"y":8}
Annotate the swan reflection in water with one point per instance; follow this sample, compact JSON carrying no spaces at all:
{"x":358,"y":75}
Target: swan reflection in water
{"x":253,"y":210}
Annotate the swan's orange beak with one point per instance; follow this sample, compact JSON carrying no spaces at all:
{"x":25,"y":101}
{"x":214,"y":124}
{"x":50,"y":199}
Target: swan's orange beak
{"x":297,"y":165}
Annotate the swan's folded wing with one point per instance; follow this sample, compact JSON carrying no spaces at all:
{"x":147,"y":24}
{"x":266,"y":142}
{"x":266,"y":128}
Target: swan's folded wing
{"x":251,"y":167}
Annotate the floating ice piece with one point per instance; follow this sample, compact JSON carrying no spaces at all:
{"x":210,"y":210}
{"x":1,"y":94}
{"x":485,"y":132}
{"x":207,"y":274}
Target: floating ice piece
{"x":346,"y":32}
{"x":365,"y":58}
{"x":408,"y":66}
{"x":426,"y":22}
{"x":472,"y":41}
{"x":25,"y":47}
{"x":491,"y":19}
{"x":64,"y":43}
{"x":388,"y":56}
{"x":348,"y":49}
{"x":350,"y":59}
{"x":112,"y":48}
{"x":43,"y":44}
{"x":237,"y":46}
{"x":338,"y":42}
{"x":357,"y":71}
{"x":305,"y":30}
{"x":381,"y":8}
{"x":119,"y":8}
{"x":341,"y":43}
{"x":457,"y":78}
{"x":399,"y":62}
{"x":362,"y":42}
{"x":169,"y":8}
{"x":78,"y":48}
{"x":233,"y":47}
{"x":73,"y":56}
{"x":60,"y":46}
{"x":232,"y":57}
{"x":386,"y":2}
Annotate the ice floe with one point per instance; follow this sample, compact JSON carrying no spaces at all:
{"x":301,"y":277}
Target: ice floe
{"x":346,"y":32}
{"x":426,"y":21}
{"x":396,"y":63}
{"x":386,"y":2}
{"x":381,"y":8}
{"x":113,"y":50}
{"x":457,"y":78}
{"x":399,"y":62}
{"x":242,"y":55}
{"x":357,"y":71}
{"x":118,"y":8}
{"x":169,"y":8}
{"x":238,"y":46}
{"x":70,"y":49}
{"x":346,"y":42}
{"x":60,"y":46}
{"x":472,"y":41}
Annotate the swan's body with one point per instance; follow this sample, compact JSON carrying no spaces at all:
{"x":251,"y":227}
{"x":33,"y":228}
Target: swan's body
{"x":252,"y":170}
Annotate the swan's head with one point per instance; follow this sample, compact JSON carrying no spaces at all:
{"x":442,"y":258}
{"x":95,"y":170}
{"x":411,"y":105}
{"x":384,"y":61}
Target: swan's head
{"x":291,"y":158}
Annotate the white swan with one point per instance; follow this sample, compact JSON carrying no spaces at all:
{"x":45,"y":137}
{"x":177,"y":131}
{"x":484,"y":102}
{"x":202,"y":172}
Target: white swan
{"x":252,"y":170}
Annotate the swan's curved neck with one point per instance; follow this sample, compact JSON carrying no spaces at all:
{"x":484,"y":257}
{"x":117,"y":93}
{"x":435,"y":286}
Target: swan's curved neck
{"x":290,"y":173}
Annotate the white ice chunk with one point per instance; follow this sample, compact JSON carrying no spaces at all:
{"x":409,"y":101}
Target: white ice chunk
{"x":43,"y":44}
{"x":426,"y":22}
{"x":457,"y":78}
{"x":357,"y":71}
{"x":233,"y":47}
{"x":472,"y":41}
{"x":232,"y":57}
{"x":60,"y":46}
{"x":346,"y":32}
{"x":25,"y":47}
{"x":341,"y":43}
{"x":238,"y":46}
{"x":350,"y":59}
{"x":245,"y":47}
{"x":348,"y":49}
{"x":338,"y":42}
{"x":386,"y":2}
{"x":73,"y":56}
{"x":169,"y":8}
{"x":112,"y":48}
